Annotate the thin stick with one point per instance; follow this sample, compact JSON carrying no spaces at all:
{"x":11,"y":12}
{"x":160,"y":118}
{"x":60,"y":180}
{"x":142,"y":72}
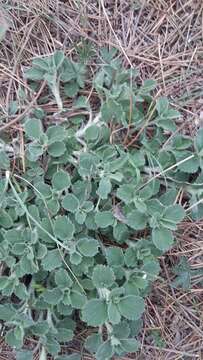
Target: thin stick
{"x":183,"y":353}
{"x":117,"y":39}
{"x":168,"y":169}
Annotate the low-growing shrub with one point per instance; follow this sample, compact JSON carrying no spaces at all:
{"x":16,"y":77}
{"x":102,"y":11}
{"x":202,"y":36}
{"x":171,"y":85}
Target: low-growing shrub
{"x":89,"y":206}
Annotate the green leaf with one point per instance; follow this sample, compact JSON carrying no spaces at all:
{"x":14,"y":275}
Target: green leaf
{"x":112,"y":110}
{"x":154,"y":207}
{"x":140,"y":205}
{"x":108,"y":54}
{"x":64,"y":228}
{"x":33,"y":128}
{"x":44,"y":189}
{"x":4,"y":282}
{"x":130,"y":345}
{"x":173,"y":114}
{"x":56,"y":149}
{"x":149,"y":85}
{"x":151,"y":268}
{"x":165,"y":159}
{"x":40,"y":328}
{"x":136,"y":220}
{"x":169,"y":197}
{"x":4,"y":160}
{"x":93,"y":342}
{"x":120,"y":233}
{"x":135,"y":327}
{"x":174,"y":213}
{"x":75,"y":258}
{"x":88,"y":246}
{"x":33,"y":209}
{"x":104,"y":219}
{"x":104,"y":188}
{"x":53,"y":296}
{"x":181,"y":142}
{"x":64,"y":309}
{"x":68,"y":72}
{"x":61,"y":180}
{"x":64,"y":335}
{"x":198,"y":142}
{"x":7,"y":312}
{"x":137,"y":158}
{"x":52,"y":345}
{"x":82,"y":102}
{"x":87,"y":165}
{"x":125,"y":193}
{"x":92,"y":133}
{"x":14,"y":338}
{"x":162,"y":238}
{"x":114,"y":256}
{"x":42,"y":63}
{"x":88,"y":206}
{"x":34,"y":151}
{"x":62,"y":279}
{"x":166,"y":123}
{"x":113,"y":313}
{"x":162,"y":105}
{"x":46,"y":225}
{"x":121,"y":330}
{"x":77,"y":299}
{"x":80,"y":217}
{"x":90,"y":222}
{"x":5,"y":219}
{"x":56,"y":133}
{"x":103,"y":276}
{"x":131,"y":307}
{"x":53,"y":206}
{"x":189,"y":166}
{"x":94,"y":312}
{"x":27,"y":265}
{"x":10,"y":261}
{"x":58,"y":58}
{"x":24,"y":355}
{"x":105,"y":351}
{"x":52,"y":260}
{"x":131,"y":287}
{"x":70,"y":203}
{"x":21,"y":292}
{"x":71,"y":89}
{"x":34,"y":74}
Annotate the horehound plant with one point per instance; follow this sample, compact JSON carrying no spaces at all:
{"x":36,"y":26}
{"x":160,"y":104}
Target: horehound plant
{"x":90,"y":207}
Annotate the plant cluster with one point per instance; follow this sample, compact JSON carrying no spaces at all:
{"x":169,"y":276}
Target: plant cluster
{"x":83,"y":225}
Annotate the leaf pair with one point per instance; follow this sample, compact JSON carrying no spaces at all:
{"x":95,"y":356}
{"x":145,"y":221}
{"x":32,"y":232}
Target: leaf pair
{"x":162,"y":236}
{"x":97,"y":311}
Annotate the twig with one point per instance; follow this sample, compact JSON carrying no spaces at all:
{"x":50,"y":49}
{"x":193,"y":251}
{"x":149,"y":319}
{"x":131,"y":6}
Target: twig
{"x":116,"y":37}
{"x":183,"y":353}
{"x":167,"y":169}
